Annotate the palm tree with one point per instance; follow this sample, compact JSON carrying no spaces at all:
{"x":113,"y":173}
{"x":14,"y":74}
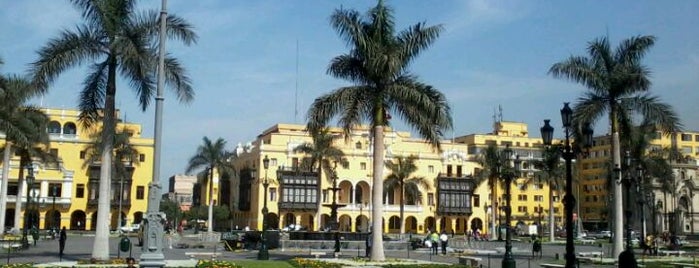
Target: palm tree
{"x":23,"y":125}
{"x":114,"y":39}
{"x":322,"y":152}
{"x":210,"y":157}
{"x":489,"y":160}
{"x":377,"y":66}
{"x":618,"y":83}
{"x":401,"y":178}
{"x":124,"y":154}
{"x":551,"y":171}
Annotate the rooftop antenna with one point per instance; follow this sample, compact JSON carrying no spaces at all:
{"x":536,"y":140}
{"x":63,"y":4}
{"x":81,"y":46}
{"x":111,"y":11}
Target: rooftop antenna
{"x":500,"y":112}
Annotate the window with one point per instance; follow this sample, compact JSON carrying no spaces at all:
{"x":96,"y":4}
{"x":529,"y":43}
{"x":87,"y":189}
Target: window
{"x":687,"y":149}
{"x":141,"y":158}
{"x":79,"y":191}
{"x":696,"y":138}
{"x":458,"y":171}
{"x":686,"y":137}
{"x":430,"y":169}
{"x":325,"y":196}
{"x":345,"y":164}
{"x":362,"y":165}
{"x":430,"y":199}
{"x":521,"y":209}
{"x":140,"y":192}
{"x":298,"y":190}
{"x":273,"y":194}
{"x":82,"y":154}
{"x":476,"y":200}
{"x":358,"y":145}
{"x":54,"y":127}
{"x":55,"y":189}
{"x":295,"y":162}
{"x":273,"y":162}
{"x":12,"y":188}
{"x":539,"y":198}
{"x":522,"y":197}
{"x":448,"y":170}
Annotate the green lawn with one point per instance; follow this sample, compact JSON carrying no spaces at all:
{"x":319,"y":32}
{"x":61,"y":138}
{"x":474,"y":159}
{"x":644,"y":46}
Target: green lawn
{"x":262,"y":264}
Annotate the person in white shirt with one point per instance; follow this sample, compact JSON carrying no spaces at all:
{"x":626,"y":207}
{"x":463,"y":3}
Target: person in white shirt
{"x":444,"y":239}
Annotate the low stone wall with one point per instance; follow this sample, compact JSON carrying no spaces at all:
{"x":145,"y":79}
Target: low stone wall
{"x":321,"y":245}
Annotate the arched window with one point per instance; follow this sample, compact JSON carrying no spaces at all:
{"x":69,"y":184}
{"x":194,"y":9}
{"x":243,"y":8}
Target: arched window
{"x":54,"y":127}
{"x":69,"y":128}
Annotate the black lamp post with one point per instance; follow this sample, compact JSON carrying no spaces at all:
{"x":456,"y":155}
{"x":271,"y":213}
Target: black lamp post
{"x":264,"y":252}
{"x":508,"y":260}
{"x":541,"y":226}
{"x":30,"y":184}
{"x":658,"y":207}
{"x":568,"y":154}
{"x":54,"y":191}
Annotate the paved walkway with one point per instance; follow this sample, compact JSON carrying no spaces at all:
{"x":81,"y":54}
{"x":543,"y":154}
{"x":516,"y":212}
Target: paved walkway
{"x":79,"y":247}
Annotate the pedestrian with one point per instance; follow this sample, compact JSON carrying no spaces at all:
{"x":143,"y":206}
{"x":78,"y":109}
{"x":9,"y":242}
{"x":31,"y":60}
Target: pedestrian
{"x":369,"y":242}
{"x":434,"y":239}
{"x":62,"y":242}
{"x":536,"y":248}
{"x":468,"y":236}
{"x":130,"y":262}
{"x":444,"y":239}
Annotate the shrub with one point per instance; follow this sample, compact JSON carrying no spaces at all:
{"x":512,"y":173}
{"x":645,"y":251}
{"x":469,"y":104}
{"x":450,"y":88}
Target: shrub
{"x":218,"y":264}
{"x":306,"y":263}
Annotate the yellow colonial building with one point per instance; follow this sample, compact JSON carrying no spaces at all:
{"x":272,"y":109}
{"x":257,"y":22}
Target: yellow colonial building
{"x":66,"y":193}
{"x":672,"y":209}
{"x":457,"y":199}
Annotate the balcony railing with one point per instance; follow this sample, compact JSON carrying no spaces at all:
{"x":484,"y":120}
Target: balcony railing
{"x":454,"y":210}
{"x":114,"y":202}
{"x":298,"y":206}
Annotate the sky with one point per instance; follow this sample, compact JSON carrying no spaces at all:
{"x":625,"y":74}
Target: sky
{"x":259,"y":63}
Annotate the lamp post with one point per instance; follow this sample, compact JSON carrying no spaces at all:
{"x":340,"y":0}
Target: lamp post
{"x":627,"y":258}
{"x":658,"y":207}
{"x":30,"y":183}
{"x":568,"y":154}
{"x":508,"y":260}
{"x":264,"y":253}
{"x":54,"y":191}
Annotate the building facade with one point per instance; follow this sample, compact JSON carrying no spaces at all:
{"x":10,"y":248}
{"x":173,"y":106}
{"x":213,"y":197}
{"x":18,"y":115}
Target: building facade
{"x":66,"y":193}
{"x":456,"y":201}
{"x":181,"y":189}
{"x":665,"y":207}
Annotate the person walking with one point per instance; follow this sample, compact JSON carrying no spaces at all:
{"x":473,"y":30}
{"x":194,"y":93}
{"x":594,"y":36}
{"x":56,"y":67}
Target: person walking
{"x":444,"y":239}
{"x":369,"y":242}
{"x":536,"y":248}
{"x":434,"y":238}
{"x":62,"y":242}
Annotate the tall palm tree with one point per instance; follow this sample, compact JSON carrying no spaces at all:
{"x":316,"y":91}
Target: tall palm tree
{"x":115,"y":39}
{"x":322,"y":152}
{"x":401,"y":178}
{"x":489,"y":160}
{"x":23,"y":125}
{"x":124,"y":154}
{"x":618,"y":83}
{"x":551,"y":171}
{"x":377,"y":66}
{"x":210,"y":157}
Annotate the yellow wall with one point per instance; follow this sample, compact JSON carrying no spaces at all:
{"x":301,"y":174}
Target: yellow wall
{"x":72,"y":172}
{"x":278,"y":142}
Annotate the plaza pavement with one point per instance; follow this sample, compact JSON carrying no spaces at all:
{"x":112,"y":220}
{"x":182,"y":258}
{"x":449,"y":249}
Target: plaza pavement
{"x":79,"y":247}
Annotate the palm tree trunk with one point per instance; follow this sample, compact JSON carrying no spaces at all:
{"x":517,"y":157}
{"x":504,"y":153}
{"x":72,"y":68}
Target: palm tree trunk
{"x":100,"y":250}
{"x":210,"y":228}
{"x":552,"y":217}
{"x":377,"y":253}
{"x":20,"y":195}
{"x":402,"y":208}
{"x":494,"y":234}
{"x":618,"y":210}
{"x":5,"y":181}
{"x":319,"y":196}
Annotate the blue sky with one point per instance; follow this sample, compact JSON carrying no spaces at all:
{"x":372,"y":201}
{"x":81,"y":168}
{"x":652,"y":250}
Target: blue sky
{"x":492,"y":53}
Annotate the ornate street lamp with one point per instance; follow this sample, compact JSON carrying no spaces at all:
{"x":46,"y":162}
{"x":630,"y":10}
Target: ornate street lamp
{"x":27,"y":217}
{"x":568,"y":154}
{"x":264,"y":252}
{"x":508,"y":260}
{"x":627,"y":258}
{"x":54,"y":193}
{"x":640,"y":201}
